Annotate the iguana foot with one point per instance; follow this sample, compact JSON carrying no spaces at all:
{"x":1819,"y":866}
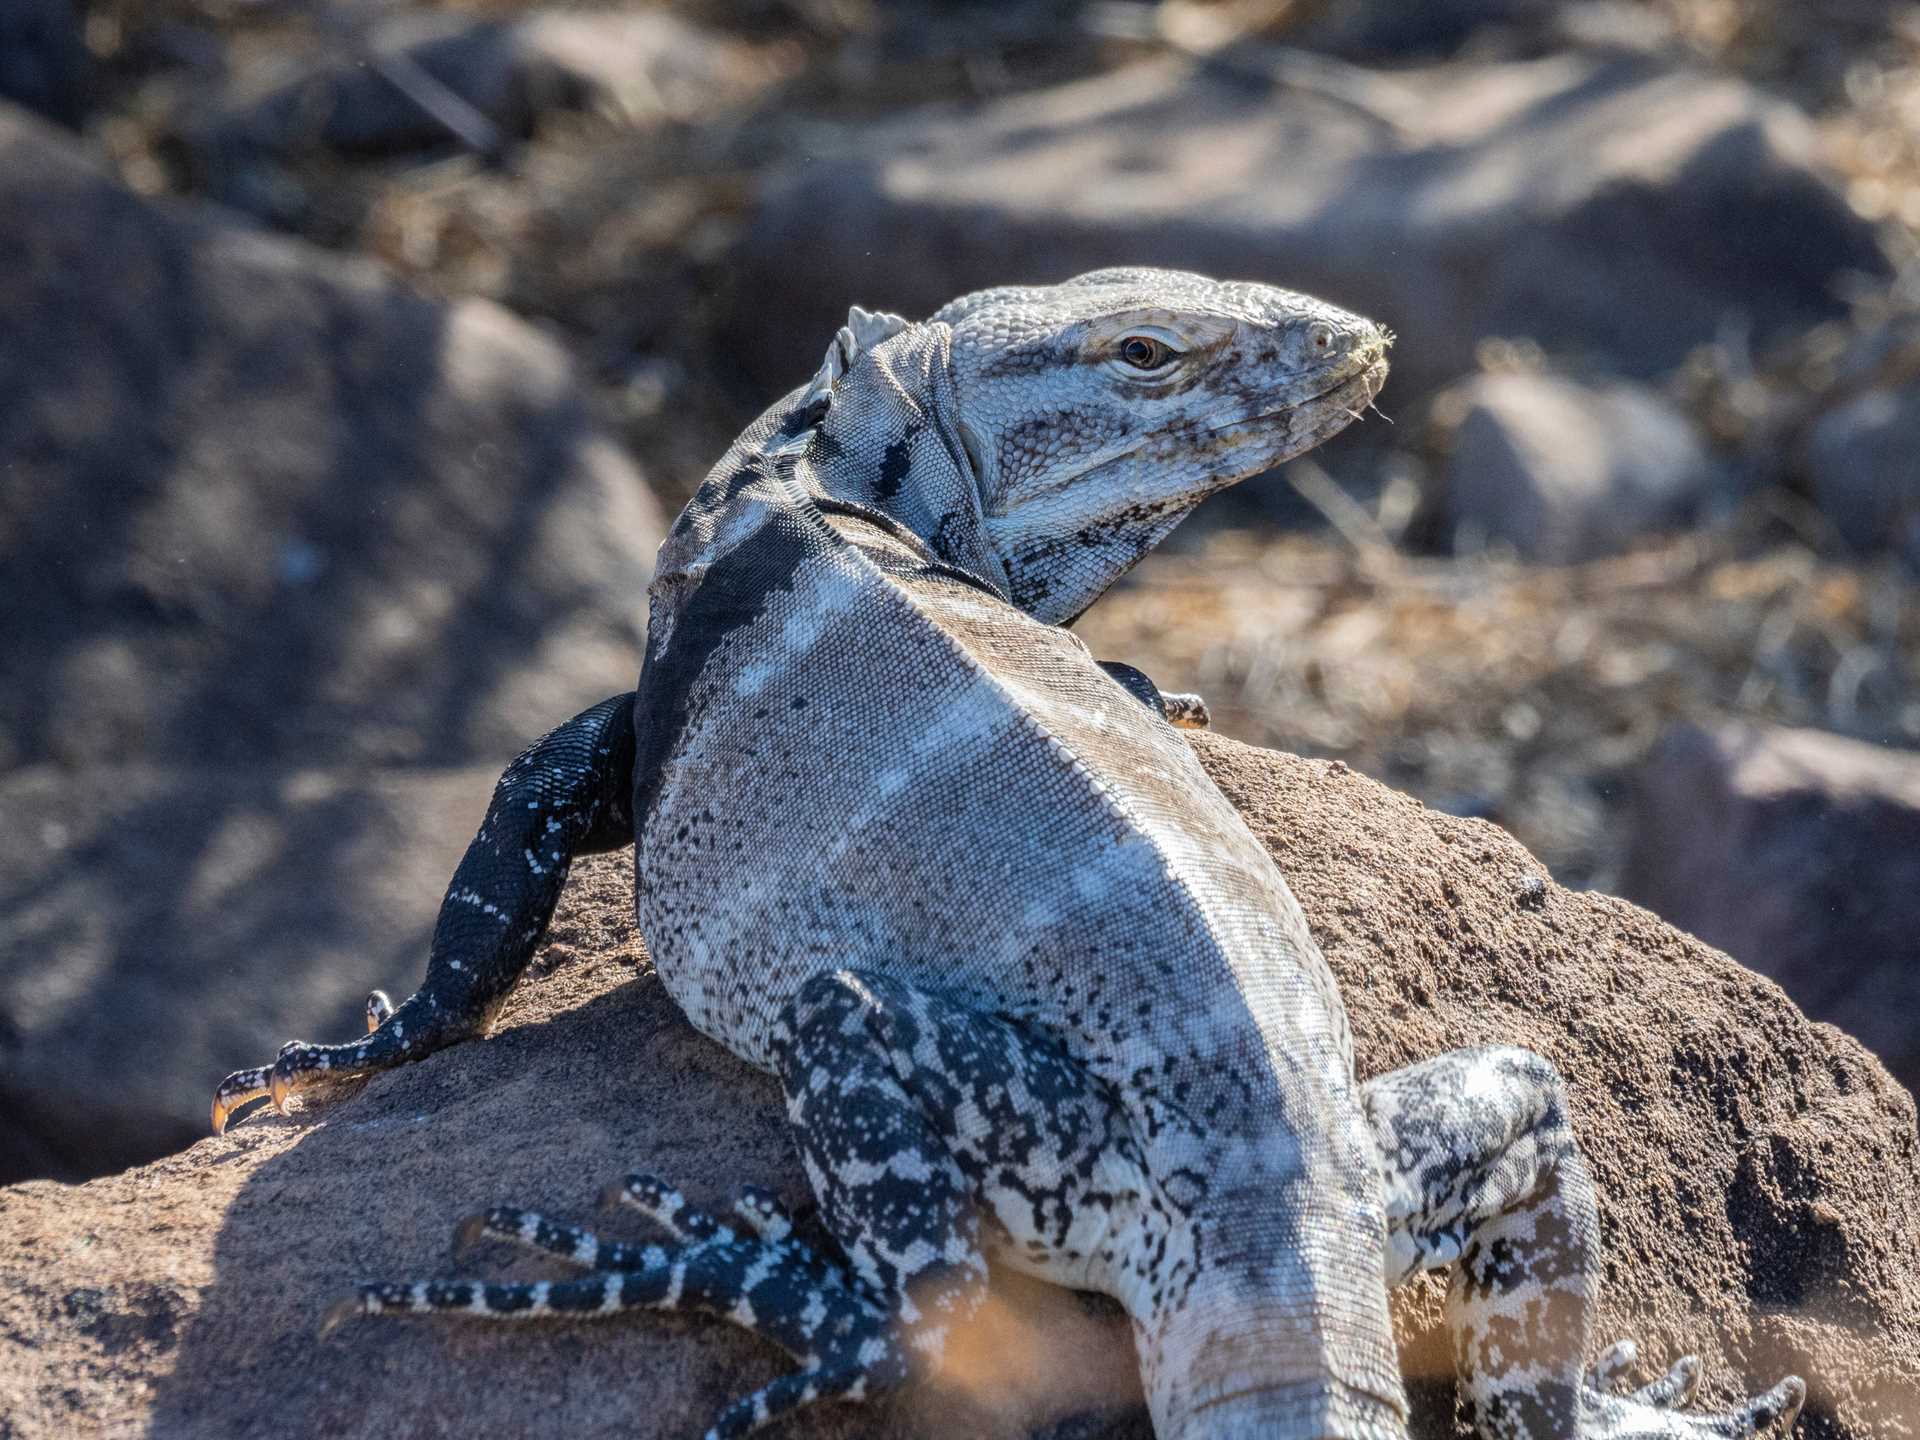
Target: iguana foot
{"x":757,"y":1275}
{"x":1186,"y":711}
{"x":1483,"y":1176}
{"x":568,"y":794}
{"x":1609,"y":1377}
{"x":1652,"y":1412}
{"x":411,"y":1032}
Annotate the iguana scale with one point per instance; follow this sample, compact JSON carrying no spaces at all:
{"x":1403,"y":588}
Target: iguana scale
{"x":1031,"y":988}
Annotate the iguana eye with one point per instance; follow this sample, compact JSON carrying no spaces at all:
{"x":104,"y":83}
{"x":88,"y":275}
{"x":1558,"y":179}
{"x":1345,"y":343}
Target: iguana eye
{"x":1143,"y":352}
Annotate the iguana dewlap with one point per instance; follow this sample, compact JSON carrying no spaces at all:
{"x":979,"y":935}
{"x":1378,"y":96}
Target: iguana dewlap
{"x":1031,"y":988}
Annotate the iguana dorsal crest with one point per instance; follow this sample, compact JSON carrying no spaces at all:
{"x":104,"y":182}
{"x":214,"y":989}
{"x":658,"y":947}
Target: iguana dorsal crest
{"x":864,"y":330}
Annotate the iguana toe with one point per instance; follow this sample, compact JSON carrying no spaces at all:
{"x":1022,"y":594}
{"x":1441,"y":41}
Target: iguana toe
{"x":1781,"y":1404}
{"x":1675,"y":1388}
{"x":379,"y":1009}
{"x":1186,"y":711}
{"x":1609,"y":1373}
{"x":761,"y":1211}
{"x":239,"y":1088}
{"x":1653,"y":1411}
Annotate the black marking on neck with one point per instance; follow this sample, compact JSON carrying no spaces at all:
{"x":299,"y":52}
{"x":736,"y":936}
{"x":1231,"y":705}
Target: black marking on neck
{"x":734,"y":593}
{"x":924,"y":561}
{"x":895,"y":464}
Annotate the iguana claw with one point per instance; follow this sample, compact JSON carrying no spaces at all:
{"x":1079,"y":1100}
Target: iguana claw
{"x":297,"y":1065}
{"x":236,"y":1090}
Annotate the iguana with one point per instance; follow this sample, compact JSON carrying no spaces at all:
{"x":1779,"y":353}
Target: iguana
{"x":1031,"y":988}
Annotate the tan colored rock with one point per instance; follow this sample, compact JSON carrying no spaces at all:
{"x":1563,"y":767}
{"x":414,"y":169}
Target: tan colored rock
{"x":1562,"y":470}
{"x":1756,"y":1172}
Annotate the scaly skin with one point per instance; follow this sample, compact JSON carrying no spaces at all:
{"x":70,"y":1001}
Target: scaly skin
{"x":1031,"y":988}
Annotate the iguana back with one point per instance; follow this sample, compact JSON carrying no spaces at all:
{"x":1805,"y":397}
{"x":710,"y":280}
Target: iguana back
{"x":1029,"y":986}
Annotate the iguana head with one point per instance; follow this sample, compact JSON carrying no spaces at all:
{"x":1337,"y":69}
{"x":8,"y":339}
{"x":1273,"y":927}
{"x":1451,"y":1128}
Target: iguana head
{"x":1097,"y":413}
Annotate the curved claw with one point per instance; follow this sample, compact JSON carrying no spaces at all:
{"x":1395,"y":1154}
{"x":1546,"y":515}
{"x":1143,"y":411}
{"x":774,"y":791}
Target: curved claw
{"x":1780,"y":1404}
{"x":379,"y":1009}
{"x":470,"y":1232}
{"x":239,"y":1088}
{"x":340,"y":1312}
{"x":1673,"y":1389}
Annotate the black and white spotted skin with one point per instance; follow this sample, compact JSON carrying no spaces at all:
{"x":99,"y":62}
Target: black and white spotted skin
{"x":1031,"y":988}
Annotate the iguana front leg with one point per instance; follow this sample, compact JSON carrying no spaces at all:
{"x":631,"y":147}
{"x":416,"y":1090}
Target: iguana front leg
{"x":568,"y":794}
{"x":1182,"y":709}
{"x":1483,"y":1174}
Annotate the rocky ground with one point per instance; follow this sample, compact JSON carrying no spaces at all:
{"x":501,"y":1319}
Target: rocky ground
{"x":1756,"y":1171}
{"x":357,"y":349}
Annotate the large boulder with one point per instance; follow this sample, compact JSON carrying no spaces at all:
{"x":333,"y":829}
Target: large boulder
{"x":1605,"y":206}
{"x":644,"y":67}
{"x":262,"y":502}
{"x":1798,"y":851}
{"x":160,"y":925}
{"x":1756,"y":1173}
{"x":1560,"y":470}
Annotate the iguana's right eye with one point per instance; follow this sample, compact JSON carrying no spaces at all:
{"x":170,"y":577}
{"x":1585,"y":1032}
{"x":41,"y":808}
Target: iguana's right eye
{"x":1144,"y":352}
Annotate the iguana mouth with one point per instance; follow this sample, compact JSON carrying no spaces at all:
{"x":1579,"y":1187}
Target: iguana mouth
{"x":1343,"y":400}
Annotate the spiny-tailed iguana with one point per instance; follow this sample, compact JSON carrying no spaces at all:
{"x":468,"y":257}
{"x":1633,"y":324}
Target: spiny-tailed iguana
{"x":1031,"y":988}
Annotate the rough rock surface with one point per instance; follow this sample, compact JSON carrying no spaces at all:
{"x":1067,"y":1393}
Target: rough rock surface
{"x":1799,"y":852}
{"x":287,"y":508}
{"x":1560,"y":470}
{"x":1757,"y":1174}
{"x":1599,"y":205}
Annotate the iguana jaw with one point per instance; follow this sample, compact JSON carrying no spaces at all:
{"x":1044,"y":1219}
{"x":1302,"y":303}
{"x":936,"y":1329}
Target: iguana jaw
{"x":1117,"y":503}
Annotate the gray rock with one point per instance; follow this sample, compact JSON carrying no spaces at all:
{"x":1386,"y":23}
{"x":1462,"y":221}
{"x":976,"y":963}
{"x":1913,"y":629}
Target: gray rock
{"x":265,"y":504}
{"x":1601,"y":206}
{"x":645,"y":66}
{"x":162,"y":926}
{"x":1798,"y":852}
{"x":1563,"y":471}
{"x":1863,"y":467}
{"x":44,"y":64}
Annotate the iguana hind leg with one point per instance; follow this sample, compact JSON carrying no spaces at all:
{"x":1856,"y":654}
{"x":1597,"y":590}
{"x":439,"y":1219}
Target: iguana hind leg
{"x":924,"y":1126}
{"x":756,"y":1274}
{"x":568,"y":794}
{"x":1483,"y":1174}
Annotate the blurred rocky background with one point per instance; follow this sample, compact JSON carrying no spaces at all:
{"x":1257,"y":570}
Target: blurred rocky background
{"x":353,"y":353}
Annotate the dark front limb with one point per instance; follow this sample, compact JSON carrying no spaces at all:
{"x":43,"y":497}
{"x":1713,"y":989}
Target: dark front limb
{"x":568,"y":794}
{"x":1482,"y":1173}
{"x":1187,"y":712}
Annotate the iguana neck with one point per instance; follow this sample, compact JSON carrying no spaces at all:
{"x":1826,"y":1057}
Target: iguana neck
{"x":889,"y":443}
